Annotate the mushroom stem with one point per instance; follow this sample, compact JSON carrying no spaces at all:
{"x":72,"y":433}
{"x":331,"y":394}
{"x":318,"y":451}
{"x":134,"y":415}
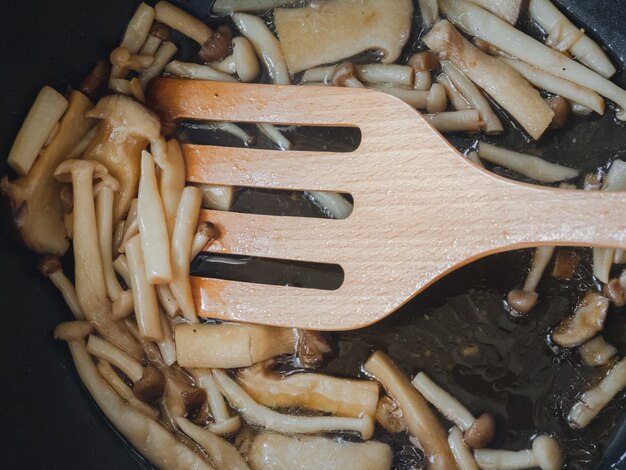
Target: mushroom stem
{"x":545,"y":454}
{"x":462,"y":454}
{"x":152,"y":225}
{"x":318,"y":74}
{"x":456,"y":98}
{"x":218,"y":197}
{"x":586,"y":321}
{"x":266,"y":46}
{"x":135,"y":34}
{"x":104,"y":220}
{"x":162,"y":57}
{"x":595,"y":399}
{"x":527,"y":165}
{"x":205,"y":234}
{"x":182,"y":238}
{"x":144,"y":295}
{"x":508,"y":10}
{"x":597,"y":352}
{"x":182,"y":21}
{"x":261,"y":416}
{"x":203,"y":345}
{"x":524,"y":300}
{"x":121,"y":267}
{"x":226,"y":7}
{"x":223,"y":454}
{"x":90,"y":284}
{"x":275,"y":136}
{"x":421,"y":421}
{"x":50,"y":266}
{"x":333,"y":203}
{"x":398,"y":75}
{"x":341,"y":397}
{"x":196,"y":71}
{"x":467,"y":120}
{"x":123,"y":306}
{"x":434,"y":100}
{"x":223,"y":422}
{"x":172,"y":181}
{"x":564,"y":36}
{"x":166,"y":346}
{"x":104,"y":350}
{"x":474,"y":97}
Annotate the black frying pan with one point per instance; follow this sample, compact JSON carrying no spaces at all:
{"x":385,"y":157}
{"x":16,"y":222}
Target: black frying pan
{"x":48,"y":419}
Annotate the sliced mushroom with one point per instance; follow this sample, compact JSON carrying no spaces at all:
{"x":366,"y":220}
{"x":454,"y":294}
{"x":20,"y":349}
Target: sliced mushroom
{"x":90,"y":284}
{"x":223,"y":422}
{"x":595,"y":399}
{"x":389,"y":415}
{"x":508,"y":10}
{"x":597,"y":352}
{"x":162,"y":57}
{"x":338,"y":29}
{"x":478,"y":432}
{"x":587,"y":320}
{"x":317,"y":453}
{"x":467,"y":120}
{"x":258,"y":415}
{"x":33,"y":200}
{"x":135,"y":34}
{"x":421,"y":421}
{"x":461,"y":452}
{"x":506,"y":86}
{"x":229,"y":345}
{"x":524,"y":300}
{"x":50,"y":266}
{"x":565,"y":264}
{"x":341,"y":397}
{"x":564,"y":36}
{"x":126,"y":128}
{"x":527,"y":165}
{"x":545,"y":454}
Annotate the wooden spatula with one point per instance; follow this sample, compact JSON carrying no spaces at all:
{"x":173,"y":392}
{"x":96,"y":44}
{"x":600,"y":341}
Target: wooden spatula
{"x":420,"y":208}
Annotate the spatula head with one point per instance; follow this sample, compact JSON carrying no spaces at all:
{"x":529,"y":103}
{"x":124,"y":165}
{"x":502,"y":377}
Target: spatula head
{"x":420,"y":208}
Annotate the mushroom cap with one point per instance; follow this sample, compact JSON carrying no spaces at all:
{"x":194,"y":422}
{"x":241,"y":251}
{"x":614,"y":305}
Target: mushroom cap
{"x":615,"y":292}
{"x":161,"y":31}
{"x":342,"y":73}
{"x":423,"y":61}
{"x":522,"y":301}
{"x":150,"y":387}
{"x":211,"y":231}
{"x":481,"y":432}
{"x":64,"y":171}
{"x":547,"y":452}
{"x":217,"y":46}
{"x":73,"y":330}
{"x":562,"y":111}
{"x":49,"y":264}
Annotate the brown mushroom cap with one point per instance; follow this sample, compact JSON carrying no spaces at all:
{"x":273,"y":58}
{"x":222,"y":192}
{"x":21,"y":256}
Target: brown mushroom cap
{"x":49,"y":264}
{"x":522,"y":300}
{"x":615,"y":292}
{"x":193,"y":398}
{"x":481,"y":432}
{"x":311,"y":348}
{"x":94,"y":85}
{"x":342,"y":73}
{"x":211,"y":231}
{"x":161,"y":31}
{"x":389,"y":415}
{"x":151,"y":386}
{"x":565,"y":264}
{"x":73,"y":330}
{"x":547,"y":453}
{"x":562,"y":111}
{"x":423,"y":61}
{"x":217,"y":46}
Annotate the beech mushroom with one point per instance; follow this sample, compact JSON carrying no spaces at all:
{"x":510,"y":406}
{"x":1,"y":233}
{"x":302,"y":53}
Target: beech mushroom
{"x":266,"y":46}
{"x":565,"y":264}
{"x":196,"y":71}
{"x":217,"y":197}
{"x":122,"y":58}
{"x":338,"y":29}
{"x":389,"y":415}
{"x":205,"y":234}
{"x":73,"y":330}
{"x":223,"y":454}
{"x":562,"y":111}
{"x":461,"y":452}
{"x":145,"y":434}
{"x":158,"y":33}
{"x":334,"y":204}
{"x":545,"y":454}
{"x":153,"y":229}
{"x":125,"y":129}
{"x":226,"y":7}
{"x":341,"y":397}
{"x":90,"y":283}
{"x":33,"y":200}
{"x":564,"y":36}
{"x":270,"y":131}
{"x":433,"y":100}
{"x":524,"y":300}
{"x":595,"y":399}
{"x":508,"y":10}
{"x":243,"y":61}
{"x":478,"y":432}
{"x":506,"y":86}
{"x":467,"y":120}
{"x":230,"y":345}
{"x":223,"y":423}
{"x":182,"y":238}
{"x":135,"y":34}
{"x":50,"y":266}
{"x":457,"y":100}
{"x":430,"y":11}
{"x":343,"y":76}
{"x":421,"y":421}
{"x":398,"y":75}
{"x":474,"y":97}
{"x":164,"y":54}
{"x":423,"y":63}
{"x":144,"y":295}
{"x":527,"y":165}
{"x":258,"y":415}
{"x":615,"y":290}
{"x":318,"y":453}
{"x":475,"y":21}
{"x":556,"y":85}
{"x":586,"y":321}
{"x":597,"y":352}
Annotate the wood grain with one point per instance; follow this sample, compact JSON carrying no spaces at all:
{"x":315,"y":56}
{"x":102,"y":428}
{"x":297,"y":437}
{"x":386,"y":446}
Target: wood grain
{"x":421,"y":209}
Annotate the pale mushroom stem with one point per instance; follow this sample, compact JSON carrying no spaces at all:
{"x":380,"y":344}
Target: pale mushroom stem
{"x":261,"y":416}
{"x":223,"y":423}
{"x":462,"y":454}
{"x":167,"y":300}
{"x":107,"y":351}
{"x":182,"y":238}
{"x":50,"y":266}
{"x":177,"y":68}
{"x":430,"y":11}
{"x":135,"y":35}
{"x":166,"y":345}
{"x":597,"y":352}
{"x":182,"y":21}
{"x":121,"y":268}
{"x":172,"y":181}
{"x":275,"y":136}
{"x":123,"y":306}
{"x":104,"y":219}
{"x":541,"y":258}
{"x":457,"y":100}
{"x":152,"y":225}
{"x":467,"y":120}
{"x":398,"y":75}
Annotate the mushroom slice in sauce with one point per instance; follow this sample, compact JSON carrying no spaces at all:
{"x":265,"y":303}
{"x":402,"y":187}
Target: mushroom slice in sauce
{"x":584,"y":324}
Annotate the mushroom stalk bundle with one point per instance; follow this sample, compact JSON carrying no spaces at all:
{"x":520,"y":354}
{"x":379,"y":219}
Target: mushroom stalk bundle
{"x":104,"y":219}
{"x":229,"y":345}
{"x":318,"y":453}
{"x":259,"y":415}
{"x":266,"y":46}
{"x":145,"y":434}
{"x":586,"y":321}
{"x":90,"y":283}
{"x":33,"y":200}
{"x":50,"y":266}
{"x":341,"y":397}
{"x":564,"y":36}
{"x":474,"y":97}
{"x":506,"y":86}
{"x":172,"y":181}
{"x":135,"y":34}
{"x":527,"y":165}
{"x":421,"y":421}
{"x":595,"y":399}
{"x":475,"y":21}
{"x":182,"y":239}
{"x":226,"y":7}
{"x":152,"y":225}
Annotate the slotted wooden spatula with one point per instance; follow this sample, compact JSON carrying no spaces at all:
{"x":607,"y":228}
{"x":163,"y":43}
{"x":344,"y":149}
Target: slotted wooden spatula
{"x":420,"y":208}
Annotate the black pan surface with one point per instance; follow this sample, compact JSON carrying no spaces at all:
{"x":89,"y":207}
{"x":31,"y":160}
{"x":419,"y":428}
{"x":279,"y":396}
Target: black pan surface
{"x":48,"y":419}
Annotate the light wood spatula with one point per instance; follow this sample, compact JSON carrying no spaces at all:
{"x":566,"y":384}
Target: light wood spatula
{"x":420,"y":208}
